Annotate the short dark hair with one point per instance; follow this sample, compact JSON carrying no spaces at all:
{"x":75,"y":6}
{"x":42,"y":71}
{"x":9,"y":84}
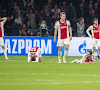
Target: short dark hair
{"x":90,"y":52}
{"x":81,"y":18}
{"x":95,"y":19}
{"x":33,"y":58}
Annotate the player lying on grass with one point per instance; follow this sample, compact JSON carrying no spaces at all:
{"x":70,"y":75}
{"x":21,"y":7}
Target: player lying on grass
{"x":35,"y":55}
{"x":88,"y":58}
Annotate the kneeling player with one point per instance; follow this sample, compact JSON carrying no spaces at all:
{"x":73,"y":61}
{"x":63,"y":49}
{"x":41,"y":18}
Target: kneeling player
{"x":88,"y":58}
{"x":35,"y":55}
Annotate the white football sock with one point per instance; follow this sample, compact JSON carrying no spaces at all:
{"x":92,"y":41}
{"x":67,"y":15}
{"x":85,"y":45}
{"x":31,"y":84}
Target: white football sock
{"x":59,"y":55}
{"x":5,"y":53}
{"x":65,"y":53}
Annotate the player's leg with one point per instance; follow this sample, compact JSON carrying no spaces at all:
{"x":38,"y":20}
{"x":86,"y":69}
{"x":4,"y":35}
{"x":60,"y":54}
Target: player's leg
{"x":66,"y":43}
{"x":75,"y":61}
{"x":94,"y":47}
{"x":3,"y":47}
{"x":60,"y":45}
{"x":98,"y":43}
{"x":59,"y":54}
{"x":65,"y":52}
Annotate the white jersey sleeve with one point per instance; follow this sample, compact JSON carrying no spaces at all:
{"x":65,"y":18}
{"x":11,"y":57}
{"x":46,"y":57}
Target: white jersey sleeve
{"x":39,"y":53}
{"x":88,"y":31}
{"x":57,"y":25}
{"x":84,"y":57}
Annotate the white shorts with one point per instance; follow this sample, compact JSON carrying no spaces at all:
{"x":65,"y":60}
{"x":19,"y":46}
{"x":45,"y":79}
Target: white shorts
{"x":62,"y":42}
{"x":96,"y":41}
{"x":1,"y":41}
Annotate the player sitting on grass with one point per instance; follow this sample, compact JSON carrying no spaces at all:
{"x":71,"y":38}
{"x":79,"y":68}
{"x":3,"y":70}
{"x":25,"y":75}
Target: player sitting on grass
{"x":88,"y":58}
{"x":35,"y":55}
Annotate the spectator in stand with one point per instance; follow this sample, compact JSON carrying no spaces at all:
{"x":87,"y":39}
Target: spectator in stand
{"x":28,"y":7}
{"x":8,"y":27}
{"x":43,"y":29}
{"x":90,"y":9}
{"x":15,"y":29}
{"x":46,"y":9}
{"x":48,"y":19}
{"x":96,"y":8}
{"x":15,"y":9}
{"x":56,"y":12}
{"x":63,"y":7}
{"x":24,"y":30}
{"x":91,"y":17}
{"x":70,"y":12}
{"x":80,"y":28}
{"x":19,"y":16}
{"x":31,"y":18}
{"x":31,"y":33}
{"x":80,"y":11}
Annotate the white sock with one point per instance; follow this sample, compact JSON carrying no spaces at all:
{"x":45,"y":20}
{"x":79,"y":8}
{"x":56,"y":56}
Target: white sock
{"x":5,"y":53}
{"x":94,"y":53}
{"x":59,"y":55}
{"x":98,"y":52}
{"x":65,"y":53}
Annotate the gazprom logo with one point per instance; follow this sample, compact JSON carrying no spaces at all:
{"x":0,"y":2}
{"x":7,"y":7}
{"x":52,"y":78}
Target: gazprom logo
{"x":82,"y":48}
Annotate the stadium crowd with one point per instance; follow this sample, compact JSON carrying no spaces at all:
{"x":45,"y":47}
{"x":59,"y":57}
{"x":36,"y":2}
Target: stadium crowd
{"x":28,"y":17}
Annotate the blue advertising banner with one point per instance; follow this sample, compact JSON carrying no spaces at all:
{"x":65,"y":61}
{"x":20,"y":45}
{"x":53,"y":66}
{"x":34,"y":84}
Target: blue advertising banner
{"x":21,"y":46}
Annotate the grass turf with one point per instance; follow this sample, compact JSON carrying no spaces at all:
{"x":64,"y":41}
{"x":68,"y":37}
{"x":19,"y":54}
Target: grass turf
{"x":17,"y":74}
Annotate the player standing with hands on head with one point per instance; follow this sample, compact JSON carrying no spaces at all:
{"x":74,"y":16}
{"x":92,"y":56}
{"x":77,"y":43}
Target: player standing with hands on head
{"x":95,"y":35}
{"x":63,"y":27}
{"x":2,"y":22}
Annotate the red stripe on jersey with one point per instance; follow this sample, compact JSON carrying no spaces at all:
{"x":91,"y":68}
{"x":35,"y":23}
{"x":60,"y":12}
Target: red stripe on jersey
{"x":33,"y":51}
{"x":89,"y":58}
{"x":63,"y":29}
{"x":0,"y":30}
{"x":96,"y":31}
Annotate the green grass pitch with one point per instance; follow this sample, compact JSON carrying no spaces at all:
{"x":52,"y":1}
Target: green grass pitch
{"x":17,"y":74}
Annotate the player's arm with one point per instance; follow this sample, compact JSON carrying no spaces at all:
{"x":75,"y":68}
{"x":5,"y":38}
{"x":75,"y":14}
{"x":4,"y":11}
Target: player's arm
{"x":88,"y":31}
{"x":92,"y":62}
{"x":4,"y":19}
{"x":40,"y":56}
{"x":55,"y":34}
{"x":70,"y":30}
{"x":83,"y":61}
{"x":29,"y":58}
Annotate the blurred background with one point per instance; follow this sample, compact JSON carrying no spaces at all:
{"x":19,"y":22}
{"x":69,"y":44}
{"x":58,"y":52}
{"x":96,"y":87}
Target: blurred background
{"x":37,"y":17}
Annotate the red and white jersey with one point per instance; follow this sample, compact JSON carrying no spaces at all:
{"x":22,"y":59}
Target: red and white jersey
{"x":1,"y":29}
{"x":95,"y":30}
{"x":63,"y":29}
{"x":87,"y":59}
{"x":35,"y":51}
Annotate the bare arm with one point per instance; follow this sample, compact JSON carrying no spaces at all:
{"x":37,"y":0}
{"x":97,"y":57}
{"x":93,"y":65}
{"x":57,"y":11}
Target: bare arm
{"x":4,"y":20}
{"x":88,"y":32}
{"x":70,"y":31}
{"x":55,"y":34}
{"x":83,"y":61}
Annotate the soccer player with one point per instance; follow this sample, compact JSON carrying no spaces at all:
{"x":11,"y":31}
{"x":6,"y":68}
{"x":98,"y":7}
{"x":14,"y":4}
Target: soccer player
{"x":95,"y":35}
{"x":63,"y":27}
{"x":35,"y":55}
{"x":88,"y":58}
{"x":2,"y":22}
